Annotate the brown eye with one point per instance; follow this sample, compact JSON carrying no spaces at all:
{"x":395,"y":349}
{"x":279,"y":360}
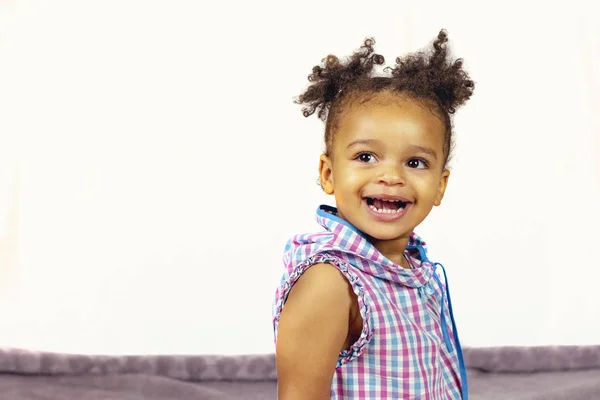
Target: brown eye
{"x":418,"y":163}
{"x":365,"y":157}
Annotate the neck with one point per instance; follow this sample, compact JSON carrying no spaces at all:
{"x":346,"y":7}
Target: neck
{"x":393,"y":250}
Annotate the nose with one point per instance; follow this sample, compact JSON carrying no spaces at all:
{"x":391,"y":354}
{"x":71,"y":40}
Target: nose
{"x":392,"y":175}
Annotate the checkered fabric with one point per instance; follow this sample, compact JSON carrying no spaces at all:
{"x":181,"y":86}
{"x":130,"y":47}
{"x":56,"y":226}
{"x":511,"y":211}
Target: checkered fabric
{"x":407,"y":350}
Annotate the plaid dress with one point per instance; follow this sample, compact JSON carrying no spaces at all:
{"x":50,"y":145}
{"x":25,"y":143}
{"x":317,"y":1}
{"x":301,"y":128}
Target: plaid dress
{"x":409,"y":346}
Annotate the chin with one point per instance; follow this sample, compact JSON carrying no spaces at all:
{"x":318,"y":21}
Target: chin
{"x":384,"y":236}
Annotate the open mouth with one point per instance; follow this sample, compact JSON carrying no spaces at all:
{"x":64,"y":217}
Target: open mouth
{"x":384,"y":206}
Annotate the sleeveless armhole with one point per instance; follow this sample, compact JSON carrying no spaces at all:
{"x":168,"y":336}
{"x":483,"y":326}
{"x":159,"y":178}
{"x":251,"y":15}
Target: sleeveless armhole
{"x":364,"y":305}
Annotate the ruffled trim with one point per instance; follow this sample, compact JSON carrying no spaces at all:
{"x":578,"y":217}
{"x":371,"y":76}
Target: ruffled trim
{"x":364,"y":305}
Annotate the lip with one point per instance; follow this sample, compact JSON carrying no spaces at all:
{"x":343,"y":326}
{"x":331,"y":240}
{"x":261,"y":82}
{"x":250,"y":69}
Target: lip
{"x":387,"y":217}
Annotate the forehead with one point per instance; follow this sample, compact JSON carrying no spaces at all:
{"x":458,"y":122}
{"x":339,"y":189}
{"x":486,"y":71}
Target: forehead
{"x":392,"y":119}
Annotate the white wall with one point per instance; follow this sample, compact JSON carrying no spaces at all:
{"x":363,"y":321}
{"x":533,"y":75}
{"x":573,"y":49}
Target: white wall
{"x":152,"y":166}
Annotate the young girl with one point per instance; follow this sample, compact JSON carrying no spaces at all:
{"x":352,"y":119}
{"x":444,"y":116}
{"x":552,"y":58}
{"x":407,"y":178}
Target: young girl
{"x":361,"y":312}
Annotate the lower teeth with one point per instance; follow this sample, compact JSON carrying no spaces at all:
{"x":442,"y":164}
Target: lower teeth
{"x":386,"y":211}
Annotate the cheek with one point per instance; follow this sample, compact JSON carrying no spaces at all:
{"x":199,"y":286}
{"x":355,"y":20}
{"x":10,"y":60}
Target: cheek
{"x":427,"y":188}
{"x":352,"y":180}
{"x":346,"y":177}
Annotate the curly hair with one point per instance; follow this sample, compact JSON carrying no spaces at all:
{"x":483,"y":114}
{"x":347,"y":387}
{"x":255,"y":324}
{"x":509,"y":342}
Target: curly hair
{"x":429,"y":77}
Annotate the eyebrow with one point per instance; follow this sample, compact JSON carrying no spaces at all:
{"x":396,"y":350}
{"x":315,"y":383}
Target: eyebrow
{"x":422,"y":149}
{"x":364,"y":141}
{"x":425,"y":150}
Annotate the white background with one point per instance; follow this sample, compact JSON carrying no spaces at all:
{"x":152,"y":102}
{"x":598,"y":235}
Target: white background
{"x":153,"y":164}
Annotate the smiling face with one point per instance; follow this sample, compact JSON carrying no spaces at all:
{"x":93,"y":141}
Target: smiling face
{"x":386,"y":168}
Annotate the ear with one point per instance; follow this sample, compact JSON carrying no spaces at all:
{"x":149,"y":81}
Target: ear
{"x":442,"y":187}
{"x":326,"y":173}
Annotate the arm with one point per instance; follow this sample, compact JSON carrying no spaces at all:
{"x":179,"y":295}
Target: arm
{"x":313,"y":328}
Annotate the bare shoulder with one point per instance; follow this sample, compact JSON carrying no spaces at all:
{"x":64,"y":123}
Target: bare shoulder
{"x":322,"y":282}
{"x":322,"y":295}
